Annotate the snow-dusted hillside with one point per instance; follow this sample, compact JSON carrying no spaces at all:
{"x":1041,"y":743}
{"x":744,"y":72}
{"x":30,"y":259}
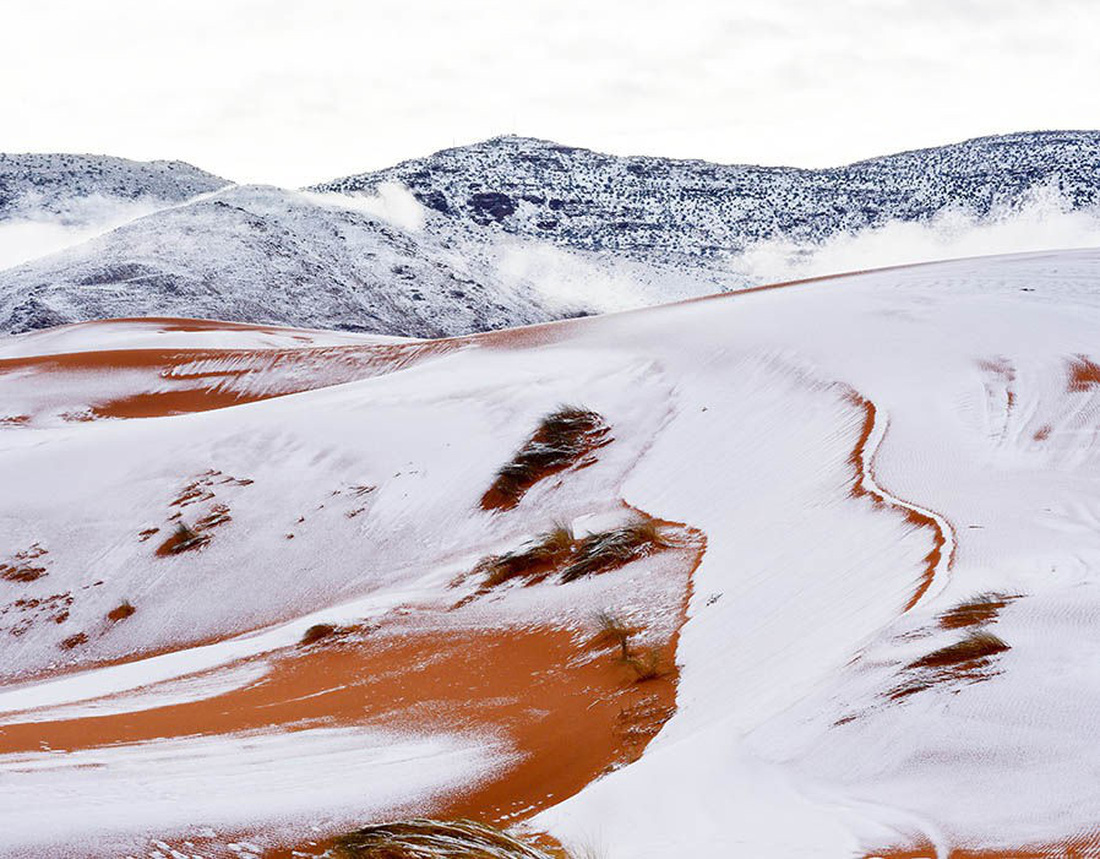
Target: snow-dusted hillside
{"x":263,"y":254}
{"x":51,"y":201}
{"x":514,"y":231}
{"x":658,"y":209}
{"x":34,"y":185}
{"x":258,"y":254}
{"x":864,"y":518}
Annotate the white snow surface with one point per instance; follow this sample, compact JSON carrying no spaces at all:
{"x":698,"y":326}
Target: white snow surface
{"x":197,"y":783}
{"x":735,"y":415}
{"x":173,"y":334}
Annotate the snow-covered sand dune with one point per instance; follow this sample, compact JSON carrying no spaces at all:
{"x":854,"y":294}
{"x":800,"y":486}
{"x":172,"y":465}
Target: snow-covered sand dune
{"x":878,"y":496}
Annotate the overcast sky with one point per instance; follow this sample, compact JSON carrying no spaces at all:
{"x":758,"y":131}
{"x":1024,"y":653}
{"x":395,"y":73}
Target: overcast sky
{"x":295,"y":92}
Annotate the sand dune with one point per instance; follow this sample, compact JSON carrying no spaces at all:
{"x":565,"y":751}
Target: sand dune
{"x":825,"y":586}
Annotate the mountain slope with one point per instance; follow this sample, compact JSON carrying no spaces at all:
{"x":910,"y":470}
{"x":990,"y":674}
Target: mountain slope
{"x":654,"y":208}
{"x":515,"y":231}
{"x":861,"y":512}
{"x":255,"y":254}
{"x":50,"y":202}
{"x":66,"y":186}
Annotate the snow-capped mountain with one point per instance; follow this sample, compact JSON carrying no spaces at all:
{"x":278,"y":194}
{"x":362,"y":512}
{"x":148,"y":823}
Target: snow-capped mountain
{"x":52,"y":202}
{"x":657,"y":208}
{"x":264,"y":254}
{"x":64,"y":186}
{"x":515,"y":231}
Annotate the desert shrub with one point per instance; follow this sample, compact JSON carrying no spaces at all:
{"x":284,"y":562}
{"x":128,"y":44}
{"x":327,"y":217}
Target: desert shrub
{"x":562,"y":439}
{"x":647,"y":664}
{"x":182,"y":539}
{"x":613,"y":632}
{"x":607,"y":550}
{"x":433,"y":839}
{"x":531,"y":562}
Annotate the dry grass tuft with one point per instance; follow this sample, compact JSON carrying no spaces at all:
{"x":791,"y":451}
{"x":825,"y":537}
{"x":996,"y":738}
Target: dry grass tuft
{"x":612,"y":632}
{"x":559,"y":550}
{"x":532,"y":562}
{"x":975,"y":612}
{"x":183,"y":539}
{"x":433,"y":839}
{"x":562,"y":439}
{"x":648,"y":664}
{"x":608,"y":550}
{"x":22,"y":567}
{"x":976,"y":647}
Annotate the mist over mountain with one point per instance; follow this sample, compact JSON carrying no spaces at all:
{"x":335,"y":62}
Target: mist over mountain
{"x":255,"y":253}
{"x":514,"y":231}
{"x":656,"y":209}
{"x":57,"y":183}
{"x":51,"y":201}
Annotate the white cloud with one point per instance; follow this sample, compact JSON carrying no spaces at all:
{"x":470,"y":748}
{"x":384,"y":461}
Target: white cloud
{"x":29,"y":232}
{"x":1043,"y":221}
{"x":392,"y":203}
{"x":292,"y":93}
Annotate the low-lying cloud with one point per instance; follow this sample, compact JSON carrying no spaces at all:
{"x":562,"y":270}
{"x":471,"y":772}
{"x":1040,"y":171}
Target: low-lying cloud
{"x":1043,"y":220}
{"x":34,"y":229}
{"x":391,"y":202}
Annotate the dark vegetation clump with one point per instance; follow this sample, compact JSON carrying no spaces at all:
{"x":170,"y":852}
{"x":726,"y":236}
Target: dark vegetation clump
{"x":613,"y":632}
{"x":646,"y":663}
{"x":608,"y":550}
{"x":121,"y":612}
{"x":562,"y":440}
{"x":183,"y":539}
{"x":980,"y":610}
{"x":23,"y":567}
{"x":532,"y":562}
{"x":433,"y":839}
{"x":976,"y":648}
{"x":559,"y":550}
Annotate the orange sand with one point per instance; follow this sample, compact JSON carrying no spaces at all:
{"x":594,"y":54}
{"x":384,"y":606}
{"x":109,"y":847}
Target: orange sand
{"x":864,"y":468}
